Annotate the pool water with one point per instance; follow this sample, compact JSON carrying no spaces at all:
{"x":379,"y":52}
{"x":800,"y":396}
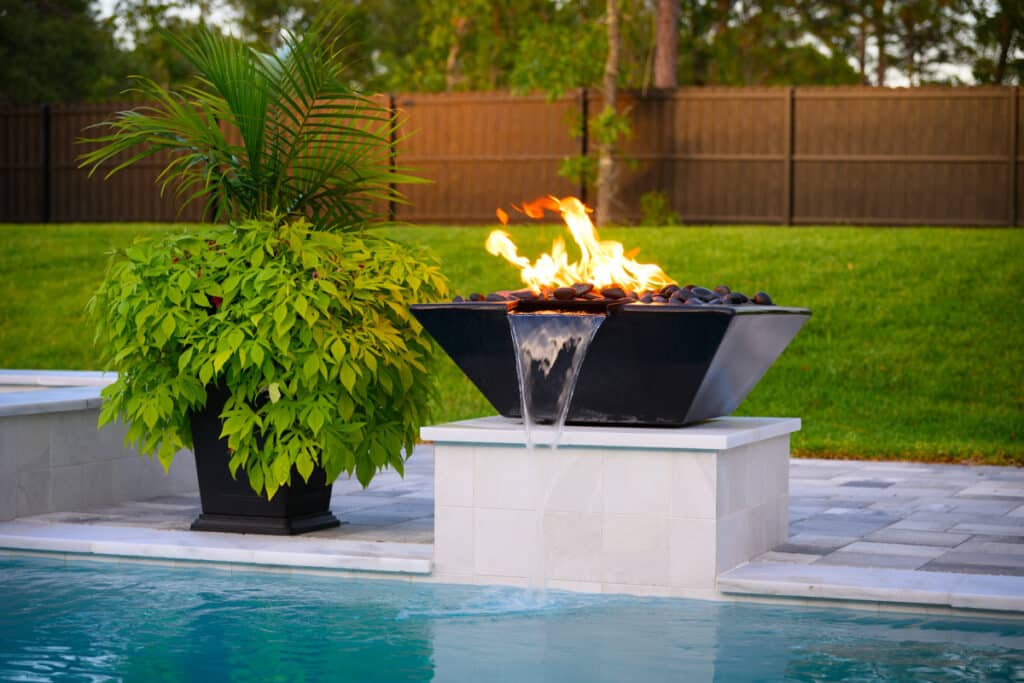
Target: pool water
{"x":94,"y":621}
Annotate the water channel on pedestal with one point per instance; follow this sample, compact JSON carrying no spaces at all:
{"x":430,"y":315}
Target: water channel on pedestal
{"x":550,"y":348}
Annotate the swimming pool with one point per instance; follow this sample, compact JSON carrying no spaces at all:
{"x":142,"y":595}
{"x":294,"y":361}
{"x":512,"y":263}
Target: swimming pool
{"x":94,"y":621}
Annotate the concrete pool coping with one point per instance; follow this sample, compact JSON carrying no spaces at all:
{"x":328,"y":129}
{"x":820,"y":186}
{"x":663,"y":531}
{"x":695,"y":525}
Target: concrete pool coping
{"x":35,"y":392}
{"x":391,"y":536}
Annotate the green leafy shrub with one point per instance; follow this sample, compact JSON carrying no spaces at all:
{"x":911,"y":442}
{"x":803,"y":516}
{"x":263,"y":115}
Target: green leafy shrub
{"x":309,"y":330}
{"x":655,"y":210}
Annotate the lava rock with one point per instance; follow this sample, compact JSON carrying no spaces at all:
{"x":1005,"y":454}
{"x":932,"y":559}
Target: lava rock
{"x":660,"y":299}
{"x":528,"y":294}
{"x":458,"y":299}
{"x":613,"y":293}
{"x":722,"y":290}
{"x":646,"y":298}
{"x":689,"y":288}
{"x":495,"y":296}
{"x":714,"y":301}
{"x":682,"y":295}
{"x":668,"y":290}
{"x":477,"y":297}
{"x":582,"y":288}
{"x":693,"y":301}
{"x":703,"y":293}
{"x":565,"y":293}
{"x":762,"y":299}
{"x":736,"y":298}
{"x":592,"y":296}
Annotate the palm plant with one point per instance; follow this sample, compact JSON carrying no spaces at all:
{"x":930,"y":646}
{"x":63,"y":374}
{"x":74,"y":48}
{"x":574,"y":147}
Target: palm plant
{"x":260,"y":133}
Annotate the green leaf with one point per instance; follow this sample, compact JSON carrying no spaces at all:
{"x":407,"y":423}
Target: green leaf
{"x":338,"y":349}
{"x":310,"y":366}
{"x":281,"y":469}
{"x":315,"y":420}
{"x":200,"y":300}
{"x":274,"y":389}
{"x":184,"y":359}
{"x":167,"y":326}
{"x":206,"y":372}
{"x":348,"y":377}
{"x":255,"y":473}
{"x":304,"y":464}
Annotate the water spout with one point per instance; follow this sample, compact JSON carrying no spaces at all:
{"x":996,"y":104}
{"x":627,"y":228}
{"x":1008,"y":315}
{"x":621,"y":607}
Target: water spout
{"x":550,"y":349}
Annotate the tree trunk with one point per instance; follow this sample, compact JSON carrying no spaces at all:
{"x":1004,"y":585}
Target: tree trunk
{"x":451,"y":66}
{"x":607,"y":180}
{"x":1005,"y":34}
{"x":862,"y":50}
{"x":666,"y":44}
{"x":880,"y":38}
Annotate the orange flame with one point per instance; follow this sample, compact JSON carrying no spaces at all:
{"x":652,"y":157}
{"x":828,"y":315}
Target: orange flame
{"x":601,"y":263}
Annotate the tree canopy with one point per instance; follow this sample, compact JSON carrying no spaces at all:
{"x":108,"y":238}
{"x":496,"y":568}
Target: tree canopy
{"x":54,"y":50}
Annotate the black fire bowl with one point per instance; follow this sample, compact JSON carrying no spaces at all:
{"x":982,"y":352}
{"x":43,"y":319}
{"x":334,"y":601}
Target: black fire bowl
{"x":648,"y":365}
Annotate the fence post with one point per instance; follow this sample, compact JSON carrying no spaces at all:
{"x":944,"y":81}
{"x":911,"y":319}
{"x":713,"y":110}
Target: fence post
{"x":47,"y":163}
{"x":787,"y":157}
{"x":584,"y":138}
{"x":1014,"y":143}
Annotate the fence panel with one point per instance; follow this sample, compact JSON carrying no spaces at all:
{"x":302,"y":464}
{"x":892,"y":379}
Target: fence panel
{"x":22,"y":165}
{"x":482,"y":151}
{"x":919,"y":156}
{"x":129,"y":195}
{"x":934,"y":156}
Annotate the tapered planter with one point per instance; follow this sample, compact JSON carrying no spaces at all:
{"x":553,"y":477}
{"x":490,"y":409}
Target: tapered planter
{"x":656,"y":365}
{"x":231,"y":505}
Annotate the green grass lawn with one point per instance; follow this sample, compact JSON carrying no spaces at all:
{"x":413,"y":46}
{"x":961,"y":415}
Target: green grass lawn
{"x":915,"y":349}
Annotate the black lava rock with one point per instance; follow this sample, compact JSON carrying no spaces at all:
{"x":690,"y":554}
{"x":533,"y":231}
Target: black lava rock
{"x":582,"y":288}
{"x":458,"y":299}
{"x":565,"y":293}
{"x":722,"y":290}
{"x":494,"y":296}
{"x":762,"y":299}
{"x":613,"y":293}
{"x":703,"y":293}
{"x":736,"y":298}
{"x":660,"y":299}
{"x":476,"y":297}
{"x":668,"y":290}
{"x":528,"y":294}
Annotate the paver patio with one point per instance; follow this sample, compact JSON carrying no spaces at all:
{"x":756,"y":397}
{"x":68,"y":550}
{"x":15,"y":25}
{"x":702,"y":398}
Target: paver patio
{"x":924,"y":521}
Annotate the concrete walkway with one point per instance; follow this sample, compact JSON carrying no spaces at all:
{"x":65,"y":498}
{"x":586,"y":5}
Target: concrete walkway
{"x":858,"y":530}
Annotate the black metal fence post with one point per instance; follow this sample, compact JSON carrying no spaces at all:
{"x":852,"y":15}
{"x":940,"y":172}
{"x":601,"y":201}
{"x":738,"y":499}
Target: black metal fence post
{"x":47,"y":165}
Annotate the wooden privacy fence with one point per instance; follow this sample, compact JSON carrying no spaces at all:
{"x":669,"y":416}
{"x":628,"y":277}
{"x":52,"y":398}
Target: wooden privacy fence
{"x":929,"y":156}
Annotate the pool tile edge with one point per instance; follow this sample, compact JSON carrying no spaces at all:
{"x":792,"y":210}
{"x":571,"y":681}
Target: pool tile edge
{"x":868,"y":584}
{"x":171,"y":545}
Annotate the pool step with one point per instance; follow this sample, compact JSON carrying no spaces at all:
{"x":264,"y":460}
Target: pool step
{"x":309,"y":551}
{"x":876,"y":585}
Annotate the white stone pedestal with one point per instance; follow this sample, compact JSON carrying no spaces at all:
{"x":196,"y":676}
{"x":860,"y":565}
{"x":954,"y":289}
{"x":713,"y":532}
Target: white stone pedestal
{"x":645,"y":511}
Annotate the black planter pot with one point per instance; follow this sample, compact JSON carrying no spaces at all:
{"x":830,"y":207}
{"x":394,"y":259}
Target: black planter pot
{"x":231,"y":505}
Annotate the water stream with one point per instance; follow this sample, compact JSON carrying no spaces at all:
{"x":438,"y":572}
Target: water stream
{"x":550,"y":349}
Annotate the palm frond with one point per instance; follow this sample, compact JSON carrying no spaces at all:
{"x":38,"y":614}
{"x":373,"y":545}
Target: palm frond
{"x":257,"y":133}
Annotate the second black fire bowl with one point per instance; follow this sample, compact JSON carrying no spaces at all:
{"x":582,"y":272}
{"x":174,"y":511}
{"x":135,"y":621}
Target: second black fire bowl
{"x":650,"y":365}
